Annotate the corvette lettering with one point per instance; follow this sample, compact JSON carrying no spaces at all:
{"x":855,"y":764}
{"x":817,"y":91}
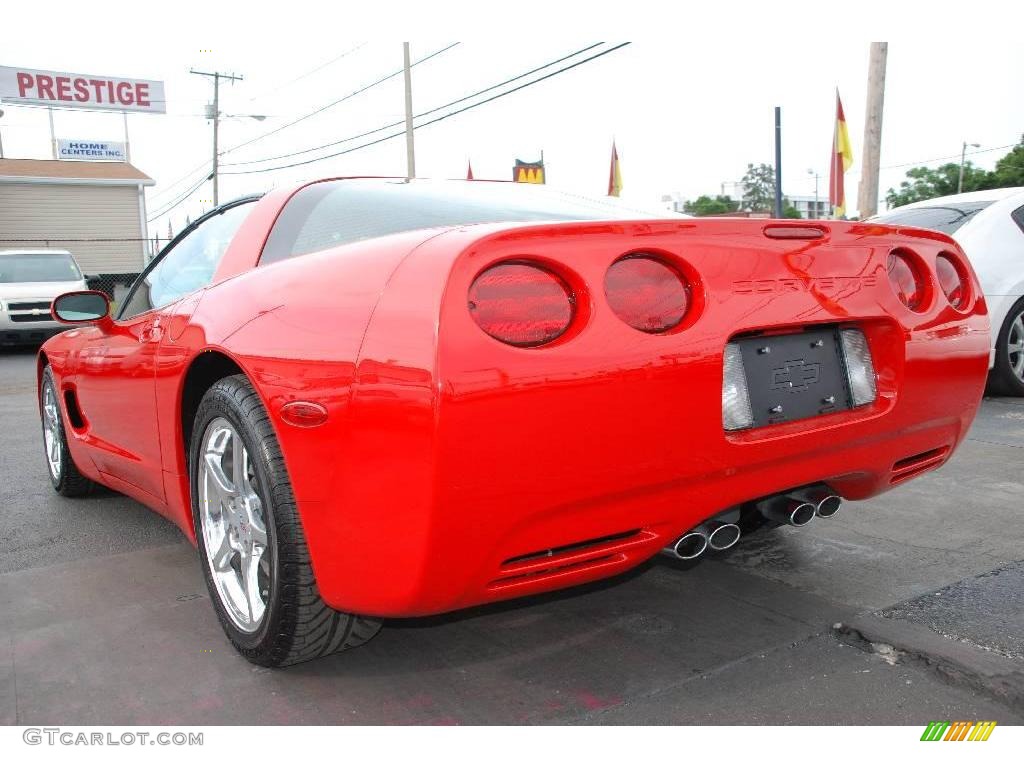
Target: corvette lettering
{"x":809,"y":285}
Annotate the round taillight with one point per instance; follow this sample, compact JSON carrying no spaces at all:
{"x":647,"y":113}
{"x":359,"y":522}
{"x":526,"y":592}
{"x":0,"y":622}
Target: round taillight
{"x":646,"y":293}
{"x":906,"y":280}
{"x":951,"y":281}
{"x":521,"y":304}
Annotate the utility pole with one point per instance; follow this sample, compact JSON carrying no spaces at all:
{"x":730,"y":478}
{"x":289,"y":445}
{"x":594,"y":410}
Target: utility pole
{"x":213,"y":113}
{"x":817,"y":212}
{"x":778,"y":162}
{"x":410,"y":149}
{"x":963,"y":157}
{"x":867,"y":200}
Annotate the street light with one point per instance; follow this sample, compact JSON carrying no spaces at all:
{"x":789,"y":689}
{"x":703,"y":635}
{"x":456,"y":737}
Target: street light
{"x":817,"y":212}
{"x":963,"y":154}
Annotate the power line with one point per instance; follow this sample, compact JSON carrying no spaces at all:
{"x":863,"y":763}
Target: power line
{"x":336,"y":102}
{"x":304,"y":75}
{"x":171,"y":206}
{"x":948,"y":157}
{"x":430,"y":122}
{"x":205,"y":165}
{"x":421,"y":114}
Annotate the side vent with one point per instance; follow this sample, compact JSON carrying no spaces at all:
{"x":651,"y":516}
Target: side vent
{"x":566,"y":559}
{"x":912,"y":466}
{"x":74,"y":412}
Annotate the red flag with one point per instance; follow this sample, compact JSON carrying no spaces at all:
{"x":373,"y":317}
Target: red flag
{"x":469,"y":170}
{"x":840,"y":162}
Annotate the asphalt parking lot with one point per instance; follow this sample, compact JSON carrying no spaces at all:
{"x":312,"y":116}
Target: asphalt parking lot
{"x":900,"y":610}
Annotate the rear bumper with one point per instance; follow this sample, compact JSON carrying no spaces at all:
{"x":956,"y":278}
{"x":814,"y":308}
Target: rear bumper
{"x":509,"y":476}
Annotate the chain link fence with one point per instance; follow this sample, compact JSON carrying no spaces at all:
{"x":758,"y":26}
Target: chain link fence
{"x":115,"y":285}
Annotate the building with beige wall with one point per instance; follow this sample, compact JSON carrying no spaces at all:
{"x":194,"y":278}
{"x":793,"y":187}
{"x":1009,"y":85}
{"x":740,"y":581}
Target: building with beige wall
{"x":95,"y":210}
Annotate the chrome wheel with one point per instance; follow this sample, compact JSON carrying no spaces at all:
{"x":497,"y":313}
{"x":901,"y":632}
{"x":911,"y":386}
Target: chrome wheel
{"x":1015,"y":347}
{"x":234,"y":528}
{"x":51,"y":430}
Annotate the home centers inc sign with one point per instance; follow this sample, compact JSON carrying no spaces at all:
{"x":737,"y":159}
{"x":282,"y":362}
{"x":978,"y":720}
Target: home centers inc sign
{"x":70,"y":149}
{"x":69,"y":90}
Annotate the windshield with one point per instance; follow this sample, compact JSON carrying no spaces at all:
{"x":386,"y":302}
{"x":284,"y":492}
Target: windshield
{"x":38,"y":268}
{"x":332,"y":213}
{"x":945,"y":218}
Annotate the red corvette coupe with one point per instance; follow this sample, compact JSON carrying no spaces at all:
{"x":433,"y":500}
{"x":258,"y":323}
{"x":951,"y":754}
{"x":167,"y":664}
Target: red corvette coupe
{"x":375,"y":398}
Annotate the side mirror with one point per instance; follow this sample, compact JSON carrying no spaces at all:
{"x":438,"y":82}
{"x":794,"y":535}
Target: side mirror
{"x":81,"y":307}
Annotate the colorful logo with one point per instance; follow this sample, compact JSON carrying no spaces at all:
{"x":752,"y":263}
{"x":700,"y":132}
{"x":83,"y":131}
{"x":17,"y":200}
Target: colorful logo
{"x":528,"y":173}
{"x":959,"y":730}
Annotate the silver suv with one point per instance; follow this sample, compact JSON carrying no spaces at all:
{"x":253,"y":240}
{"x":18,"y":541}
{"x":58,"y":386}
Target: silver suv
{"x":29,"y":282}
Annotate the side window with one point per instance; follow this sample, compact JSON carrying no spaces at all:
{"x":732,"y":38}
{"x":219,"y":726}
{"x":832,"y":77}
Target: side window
{"x":189,"y":265}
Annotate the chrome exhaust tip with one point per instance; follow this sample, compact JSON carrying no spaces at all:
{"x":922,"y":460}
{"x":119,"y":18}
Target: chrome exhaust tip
{"x":826,"y":503}
{"x":724,"y":536}
{"x":791,"y":511}
{"x":689,"y":546}
{"x":829,"y":505}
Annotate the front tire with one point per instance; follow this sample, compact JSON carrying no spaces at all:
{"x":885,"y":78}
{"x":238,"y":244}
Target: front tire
{"x":251,"y":543}
{"x":1007,"y":376}
{"x":64,"y":475}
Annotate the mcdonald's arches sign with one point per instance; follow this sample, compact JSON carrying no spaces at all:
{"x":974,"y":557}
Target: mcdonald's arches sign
{"x":528,"y":173}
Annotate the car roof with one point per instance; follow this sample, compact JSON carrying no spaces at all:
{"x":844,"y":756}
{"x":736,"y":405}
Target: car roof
{"x":399,"y":187}
{"x":978,"y":196}
{"x":35,"y":252}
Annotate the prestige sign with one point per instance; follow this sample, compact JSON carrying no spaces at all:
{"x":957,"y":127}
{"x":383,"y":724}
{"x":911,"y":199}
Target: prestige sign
{"x":73,"y":91}
{"x":68,"y":149}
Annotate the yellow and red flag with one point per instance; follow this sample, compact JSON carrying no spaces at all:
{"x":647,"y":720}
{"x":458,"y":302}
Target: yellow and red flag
{"x":842,"y":159}
{"x":615,"y":174}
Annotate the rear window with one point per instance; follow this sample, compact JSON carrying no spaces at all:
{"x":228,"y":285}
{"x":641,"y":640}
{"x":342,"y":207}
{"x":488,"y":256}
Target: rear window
{"x":333,"y":213}
{"x":37,"y":268}
{"x":944,"y":218}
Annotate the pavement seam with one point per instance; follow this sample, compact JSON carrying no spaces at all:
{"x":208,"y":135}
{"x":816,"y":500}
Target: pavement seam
{"x":995,"y":677}
{"x":713,"y":671}
{"x":993,"y":442}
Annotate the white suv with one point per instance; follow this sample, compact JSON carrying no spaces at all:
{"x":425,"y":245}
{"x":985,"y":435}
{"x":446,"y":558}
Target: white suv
{"x":29,"y":282}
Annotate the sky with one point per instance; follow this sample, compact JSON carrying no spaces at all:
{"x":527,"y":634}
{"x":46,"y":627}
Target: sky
{"x":687,"y":112}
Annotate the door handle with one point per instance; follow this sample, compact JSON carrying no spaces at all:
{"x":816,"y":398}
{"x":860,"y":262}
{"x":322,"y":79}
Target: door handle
{"x":152,"y":332}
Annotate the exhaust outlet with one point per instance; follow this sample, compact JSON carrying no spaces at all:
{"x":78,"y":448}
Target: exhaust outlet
{"x":789,"y":510}
{"x":690,"y":545}
{"x":826,"y":503}
{"x":724,"y":536}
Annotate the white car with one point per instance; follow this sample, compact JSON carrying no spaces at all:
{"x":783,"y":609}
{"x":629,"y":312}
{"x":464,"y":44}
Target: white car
{"x":29,"y":282}
{"x":989,"y":226}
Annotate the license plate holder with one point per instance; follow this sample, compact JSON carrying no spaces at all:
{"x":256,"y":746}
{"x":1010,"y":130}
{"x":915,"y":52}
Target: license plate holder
{"x":795,"y":376}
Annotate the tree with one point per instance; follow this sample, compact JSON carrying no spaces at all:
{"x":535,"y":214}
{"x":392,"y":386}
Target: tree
{"x":759,"y":188}
{"x":705,"y":205}
{"x":926,"y":183}
{"x":790,"y":211}
{"x":1009,"y":170}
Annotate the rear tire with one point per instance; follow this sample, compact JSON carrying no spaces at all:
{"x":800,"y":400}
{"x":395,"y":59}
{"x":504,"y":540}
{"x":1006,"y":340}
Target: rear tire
{"x":274,"y":616}
{"x":64,"y":474}
{"x":1007,"y":376}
